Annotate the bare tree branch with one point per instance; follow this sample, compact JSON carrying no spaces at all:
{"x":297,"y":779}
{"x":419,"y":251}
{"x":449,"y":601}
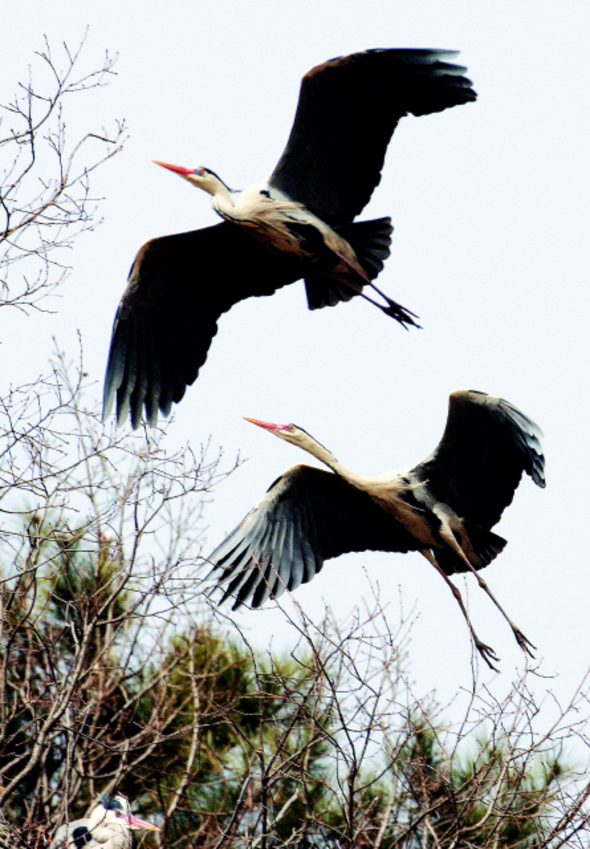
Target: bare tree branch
{"x":45,"y":196}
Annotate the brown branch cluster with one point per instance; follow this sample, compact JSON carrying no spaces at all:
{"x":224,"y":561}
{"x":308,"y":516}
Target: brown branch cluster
{"x":99,"y":532}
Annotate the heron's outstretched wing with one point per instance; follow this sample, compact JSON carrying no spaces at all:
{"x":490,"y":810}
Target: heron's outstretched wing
{"x":348,"y":109}
{"x":178,"y":288}
{"x":478,"y":464}
{"x":307,"y":516}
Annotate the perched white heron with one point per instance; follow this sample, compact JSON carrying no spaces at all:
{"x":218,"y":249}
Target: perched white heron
{"x":109,"y":826}
{"x":296,"y":224}
{"x":444,"y":507}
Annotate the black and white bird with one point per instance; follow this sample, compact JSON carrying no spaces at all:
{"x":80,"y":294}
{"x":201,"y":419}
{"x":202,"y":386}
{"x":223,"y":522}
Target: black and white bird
{"x":444,"y":507}
{"x":109,"y":826}
{"x":296,"y":224}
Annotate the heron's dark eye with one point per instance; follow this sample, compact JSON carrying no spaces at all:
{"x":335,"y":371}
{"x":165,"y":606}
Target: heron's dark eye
{"x":201,"y":172}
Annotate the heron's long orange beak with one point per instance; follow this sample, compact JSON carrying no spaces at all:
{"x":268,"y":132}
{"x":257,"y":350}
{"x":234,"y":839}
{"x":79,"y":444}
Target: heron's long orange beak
{"x":178,"y":169}
{"x":136,"y":822}
{"x":266,"y":425}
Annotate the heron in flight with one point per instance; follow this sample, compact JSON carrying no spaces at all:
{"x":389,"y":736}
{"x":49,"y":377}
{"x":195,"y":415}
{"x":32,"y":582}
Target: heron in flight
{"x":444,"y":507}
{"x":109,"y":826}
{"x":298,"y":223}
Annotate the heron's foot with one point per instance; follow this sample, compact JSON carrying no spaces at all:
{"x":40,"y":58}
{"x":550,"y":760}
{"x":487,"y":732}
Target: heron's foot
{"x":401,"y":314}
{"x":487,"y":653}
{"x":522,"y":641}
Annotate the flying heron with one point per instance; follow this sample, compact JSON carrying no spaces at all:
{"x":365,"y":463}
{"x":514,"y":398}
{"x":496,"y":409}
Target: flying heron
{"x":296,"y":224}
{"x":444,"y":507}
{"x":109,"y":826}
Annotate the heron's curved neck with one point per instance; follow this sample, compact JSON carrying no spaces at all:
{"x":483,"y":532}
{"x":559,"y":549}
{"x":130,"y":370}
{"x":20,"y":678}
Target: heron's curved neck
{"x":223,"y":202}
{"x":320,"y":453}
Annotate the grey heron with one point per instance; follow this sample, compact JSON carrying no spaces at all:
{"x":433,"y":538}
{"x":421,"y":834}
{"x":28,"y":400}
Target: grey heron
{"x":443,"y":507}
{"x":298,"y":223}
{"x":109,"y":826}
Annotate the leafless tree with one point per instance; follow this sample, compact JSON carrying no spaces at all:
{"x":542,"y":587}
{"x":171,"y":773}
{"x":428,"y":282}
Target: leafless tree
{"x":97,"y":530}
{"x":396,"y":772}
{"x":45,"y":194}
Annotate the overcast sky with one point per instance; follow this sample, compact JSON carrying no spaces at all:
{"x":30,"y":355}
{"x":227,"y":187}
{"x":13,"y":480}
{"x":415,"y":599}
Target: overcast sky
{"x":490,"y":207}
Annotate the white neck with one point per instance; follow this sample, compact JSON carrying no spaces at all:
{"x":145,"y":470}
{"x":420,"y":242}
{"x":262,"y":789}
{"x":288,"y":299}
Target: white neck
{"x":222,"y":202}
{"x":323,"y":455}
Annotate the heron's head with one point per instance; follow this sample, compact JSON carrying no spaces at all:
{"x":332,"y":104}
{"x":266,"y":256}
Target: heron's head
{"x":203,"y":178}
{"x":116,"y":809}
{"x":294,"y":434}
{"x":289,"y":432}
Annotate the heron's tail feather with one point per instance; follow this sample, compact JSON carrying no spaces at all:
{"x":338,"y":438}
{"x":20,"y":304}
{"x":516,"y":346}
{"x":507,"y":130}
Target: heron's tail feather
{"x":371,"y":242}
{"x":485,"y":544}
{"x":325,"y":291}
{"x":327,"y":286}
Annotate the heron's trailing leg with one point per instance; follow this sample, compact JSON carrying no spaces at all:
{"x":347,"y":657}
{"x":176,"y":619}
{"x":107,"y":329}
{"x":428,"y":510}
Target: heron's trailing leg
{"x":524,"y":643}
{"x":393,"y":309}
{"x":485,"y":651}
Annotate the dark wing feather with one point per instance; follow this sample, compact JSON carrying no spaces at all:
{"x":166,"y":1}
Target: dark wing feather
{"x":80,"y":837}
{"x":178,"y":288}
{"x":307,"y":516}
{"x":74,"y":834}
{"x":348,"y":109}
{"x":478,"y":464}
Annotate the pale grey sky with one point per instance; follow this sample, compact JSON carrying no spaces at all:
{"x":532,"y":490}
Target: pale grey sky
{"x":490,"y":207}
